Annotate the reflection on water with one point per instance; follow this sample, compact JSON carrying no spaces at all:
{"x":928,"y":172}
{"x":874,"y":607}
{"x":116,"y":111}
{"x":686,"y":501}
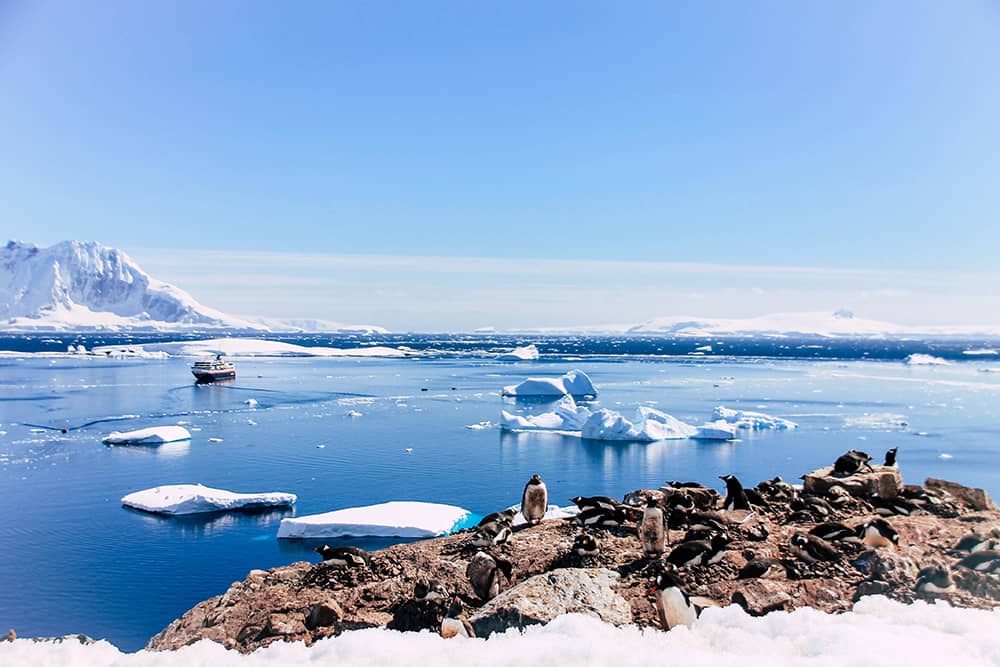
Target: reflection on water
{"x":165,"y":450}
{"x":206,"y":523}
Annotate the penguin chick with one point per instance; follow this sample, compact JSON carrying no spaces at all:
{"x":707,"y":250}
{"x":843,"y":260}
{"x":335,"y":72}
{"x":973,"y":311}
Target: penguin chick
{"x":651,"y":530}
{"x":934,"y":580}
{"x":484,"y":572}
{"x":344,"y":556}
{"x":812,"y":549}
{"x":491,"y":534}
{"x":429,"y":589}
{"x":699,"y":552}
{"x":455,"y":623}
{"x":736,"y":497}
{"x":585,"y":545}
{"x":879,"y":533}
{"x":534,"y":500}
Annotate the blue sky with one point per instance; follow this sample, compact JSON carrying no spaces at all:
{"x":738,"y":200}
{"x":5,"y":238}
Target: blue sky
{"x":860,"y":135}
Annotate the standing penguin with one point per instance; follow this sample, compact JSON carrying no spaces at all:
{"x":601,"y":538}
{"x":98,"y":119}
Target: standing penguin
{"x":484,"y":572}
{"x":890,"y":457}
{"x":673,"y":605}
{"x":736,"y":497}
{"x":534,"y":500}
{"x":455,"y":624}
{"x":651,"y":530}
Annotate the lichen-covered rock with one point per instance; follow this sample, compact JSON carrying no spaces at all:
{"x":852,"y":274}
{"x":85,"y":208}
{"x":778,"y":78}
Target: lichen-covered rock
{"x":883,"y":481}
{"x":543,"y":597}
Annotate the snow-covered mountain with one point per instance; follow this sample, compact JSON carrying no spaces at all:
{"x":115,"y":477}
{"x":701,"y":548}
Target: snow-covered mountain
{"x":76,"y":285}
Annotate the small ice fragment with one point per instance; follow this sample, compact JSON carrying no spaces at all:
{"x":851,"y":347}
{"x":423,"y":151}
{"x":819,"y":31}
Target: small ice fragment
{"x":479,"y":426}
{"x":252,"y":402}
{"x":354,"y":413}
{"x":215,"y":439}
{"x":251,"y":422}
{"x":408,"y":450}
{"x":945,"y":456}
{"x":183,"y":422}
{"x":320,"y":446}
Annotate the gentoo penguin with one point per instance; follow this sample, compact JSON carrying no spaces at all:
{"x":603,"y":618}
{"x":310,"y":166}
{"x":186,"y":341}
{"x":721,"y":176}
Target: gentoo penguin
{"x":812,"y":549}
{"x":890,"y":457}
{"x":674,"y":484}
{"x":699,"y":552}
{"x":673,"y":605}
{"x":455,"y":624}
{"x":534,"y":500}
{"x":987,"y":560}
{"x":813,"y":505}
{"x":703,"y":497}
{"x":736,"y":497}
{"x":852,"y":462}
{"x":767,"y":568}
{"x":935,"y":580}
{"x":484,"y":572}
{"x":878,"y":533}
{"x":893,"y":506}
{"x":429,"y":589}
{"x":920,"y":497}
{"x":776,"y":489}
{"x":344,"y":556}
{"x":974,"y":542}
{"x":506,"y":516}
{"x":711,"y":520}
{"x":585,"y":545}
{"x":601,"y":502}
{"x":651,"y":530}
{"x":491,"y":534}
{"x":11,"y":636}
{"x":596,"y":517}
{"x":700,"y":533}
{"x":834,"y":531}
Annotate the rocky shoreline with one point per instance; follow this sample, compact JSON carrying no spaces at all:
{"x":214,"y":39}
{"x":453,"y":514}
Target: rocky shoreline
{"x":309,"y":601}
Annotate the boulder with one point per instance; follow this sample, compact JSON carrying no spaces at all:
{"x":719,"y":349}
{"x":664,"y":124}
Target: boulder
{"x":762,"y":596}
{"x":977,"y":499}
{"x":541,"y":598}
{"x":884,"y":481}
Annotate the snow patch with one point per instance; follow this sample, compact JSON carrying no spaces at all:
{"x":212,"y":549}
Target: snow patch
{"x":154,"y":435}
{"x":392,"y":519}
{"x":176,"y":499}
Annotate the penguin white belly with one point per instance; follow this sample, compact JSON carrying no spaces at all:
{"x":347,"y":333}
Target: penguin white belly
{"x":452,"y":627}
{"x":336,"y":561}
{"x":433,"y":595}
{"x":694,"y":561}
{"x":873,"y":538}
{"x":930,"y":587}
{"x":674,"y":609}
{"x":716,"y":558}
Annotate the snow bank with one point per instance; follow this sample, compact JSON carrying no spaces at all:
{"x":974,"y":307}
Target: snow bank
{"x":567,"y":416}
{"x":878,"y":633}
{"x":574,"y":383}
{"x":194,"y":498}
{"x":251,"y":347}
{"x":154,"y":435}
{"x":751,"y":420}
{"x":392,"y":519}
{"x":648,"y":425}
{"x":717,"y":430}
{"x":526,"y":353}
{"x":926,"y":360}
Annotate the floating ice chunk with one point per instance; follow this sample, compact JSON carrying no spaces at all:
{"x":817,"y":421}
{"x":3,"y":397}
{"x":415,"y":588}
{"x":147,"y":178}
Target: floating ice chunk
{"x":717,"y":430}
{"x":153,"y":435}
{"x":480,"y":426}
{"x":252,"y":402}
{"x":751,"y":420}
{"x":877,"y":420}
{"x":392,"y":519}
{"x":574,"y":383}
{"x":567,"y":416}
{"x":649,"y":424}
{"x":215,"y":439}
{"x":195,"y":499}
{"x":355,"y":413}
{"x":981,"y":352}
{"x":703,"y":348}
{"x":944,"y":456}
{"x":926,"y":360}
{"x":551,"y":512}
{"x":526,"y":353}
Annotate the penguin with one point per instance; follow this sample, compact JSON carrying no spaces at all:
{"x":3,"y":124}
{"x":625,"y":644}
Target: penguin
{"x":890,"y":457}
{"x":736,"y":497}
{"x":835,"y":531}
{"x":429,"y":590}
{"x":893,"y":506}
{"x":813,"y":505}
{"x":585,"y":545}
{"x":686,"y":485}
{"x":601,"y":518}
{"x":699,"y":552}
{"x":852,"y":462}
{"x":344,"y":556}
{"x":534,"y":500}
{"x":935,"y":580}
{"x":767,"y":568}
{"x":710,"y":520}
{"x":703,"y":497}
{"x":484,"y":572}
{"x":755,"y":497}
{"x":837,"y":495}
{"x":695,"y":534}
{"x":491,"y":534}
{"x":985,"y":560}
{"x":506,"y":516}
{"x":673,"y":605}
{"x":974,"y":542}
{"x":11,"y":636}
{"x":679,"y":501}
{"x":812,"y":549}
{"x":920,"y":497}
{"x":878,"y":533}
{"x":777,"y":489}
{"x":651,"y":530}
{"x":601,"y":502}
{"x":455,"y":623}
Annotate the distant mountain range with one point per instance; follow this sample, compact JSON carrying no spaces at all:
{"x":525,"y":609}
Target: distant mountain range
{"x":81,"y":286}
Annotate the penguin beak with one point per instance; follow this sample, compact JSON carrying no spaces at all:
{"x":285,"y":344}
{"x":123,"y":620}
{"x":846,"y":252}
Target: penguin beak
{"x":652,"y":589}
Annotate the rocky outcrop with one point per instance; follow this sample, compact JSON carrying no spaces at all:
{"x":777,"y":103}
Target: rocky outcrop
{"x":977,"y":499}
{"x":545,"y":596}
{"x":882,"y":481}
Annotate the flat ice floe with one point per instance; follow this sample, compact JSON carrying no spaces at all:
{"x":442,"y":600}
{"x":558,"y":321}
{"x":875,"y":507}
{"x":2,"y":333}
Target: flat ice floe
{"x":248,"y":347}
{"x":392,"y":519}
{"x":176,"y":499}
{"x":154,"y":435}
{"x":525,"y":353}
{"x":878,"y":633}
{"x":648,"y":425}
{"x":751,"y":420}
{"x":926,"y":360}
{"x":574,"y":383}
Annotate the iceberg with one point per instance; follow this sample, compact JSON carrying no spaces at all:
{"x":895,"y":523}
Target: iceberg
{"x":574,"y":383}
{"x":926,"y":360}
{"x":154,"y":435}
{"x":392,"y":519}
{"x":551,"y":512}
{"x":567,"y":416}
{"x":755,"y":421}
{"x":526,"y":353}
{"x":176,"y":499}
{"x":717,"y":430}
{"x":649,"y":425}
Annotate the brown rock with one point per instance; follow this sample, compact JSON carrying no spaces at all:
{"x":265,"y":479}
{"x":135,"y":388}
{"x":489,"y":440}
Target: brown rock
{"x":976,"y":499}
{"x":323,"y":614}
{"x":885,"y":481}
{"x":760,"y":596}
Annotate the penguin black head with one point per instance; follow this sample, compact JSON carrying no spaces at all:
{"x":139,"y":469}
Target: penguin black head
{"x":799,"y":540}
{"x":455,"y":608}
{"x":720,"y":541}
{"x":652,"y":502}
{"x":421,"y":588}
{"x":535,"y":479}
{"x":666,"y":578}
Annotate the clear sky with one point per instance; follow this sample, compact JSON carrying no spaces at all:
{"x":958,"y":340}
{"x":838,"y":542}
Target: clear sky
{"x":746,"y":136}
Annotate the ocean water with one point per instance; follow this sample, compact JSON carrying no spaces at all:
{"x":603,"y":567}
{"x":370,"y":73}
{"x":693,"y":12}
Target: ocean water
{"x":76,"y":561}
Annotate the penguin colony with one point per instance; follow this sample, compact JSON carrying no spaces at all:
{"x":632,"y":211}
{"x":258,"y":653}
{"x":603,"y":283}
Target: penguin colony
{"x":687,"y":528}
